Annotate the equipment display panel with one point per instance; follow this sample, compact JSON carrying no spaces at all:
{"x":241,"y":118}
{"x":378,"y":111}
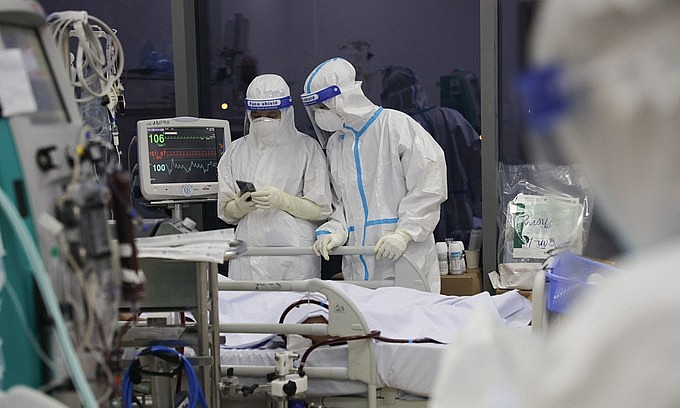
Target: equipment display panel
{"x":178,"y":157}
{"x":50,"y":107}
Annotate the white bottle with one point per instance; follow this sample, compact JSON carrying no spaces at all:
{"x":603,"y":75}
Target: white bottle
{"x":456,"y":259}
{"x":442,"y":256}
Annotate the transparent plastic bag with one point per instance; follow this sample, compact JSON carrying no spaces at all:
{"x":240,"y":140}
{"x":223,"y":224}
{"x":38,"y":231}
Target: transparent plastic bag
{"x":544,"y":207}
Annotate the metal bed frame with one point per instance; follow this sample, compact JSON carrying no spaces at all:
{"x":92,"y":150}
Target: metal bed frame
{"x":345,"y":319}
{"x":192,"y":285}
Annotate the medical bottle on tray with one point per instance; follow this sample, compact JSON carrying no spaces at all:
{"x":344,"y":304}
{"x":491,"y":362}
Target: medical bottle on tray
{"x":456,"y":259}
{"x":443,"y":257}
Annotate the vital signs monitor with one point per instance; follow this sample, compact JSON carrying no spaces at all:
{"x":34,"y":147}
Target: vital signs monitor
{"x":178,"y":157}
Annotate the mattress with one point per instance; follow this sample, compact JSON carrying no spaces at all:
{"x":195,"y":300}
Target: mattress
{"x":398,"y":313}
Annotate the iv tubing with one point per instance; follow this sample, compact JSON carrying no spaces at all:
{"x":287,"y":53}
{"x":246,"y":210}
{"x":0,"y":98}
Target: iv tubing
{"x":50,"y":299}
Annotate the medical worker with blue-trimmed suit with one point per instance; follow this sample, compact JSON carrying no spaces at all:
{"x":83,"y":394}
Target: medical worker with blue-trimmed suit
{"x":388,"y":176}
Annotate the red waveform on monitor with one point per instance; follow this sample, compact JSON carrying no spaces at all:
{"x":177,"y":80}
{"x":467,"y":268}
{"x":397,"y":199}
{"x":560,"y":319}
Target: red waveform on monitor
{"x":182,"y":154}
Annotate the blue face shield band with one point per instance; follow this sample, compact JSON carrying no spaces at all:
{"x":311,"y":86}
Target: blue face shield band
{"x":312,"y":103}
{"x":269,"y":104}
{"x":544,"y":96}
{"x":325,"y":94}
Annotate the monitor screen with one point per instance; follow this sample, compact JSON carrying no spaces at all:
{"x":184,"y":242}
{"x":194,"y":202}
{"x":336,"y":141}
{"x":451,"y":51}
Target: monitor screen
{"x":50,"y":107}
{"x":178,"y":157}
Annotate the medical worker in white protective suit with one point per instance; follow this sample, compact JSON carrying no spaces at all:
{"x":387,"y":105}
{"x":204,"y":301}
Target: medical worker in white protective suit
{"x":292,"y":188}
{"x":618,"y":64}
{"x":388,"y":174}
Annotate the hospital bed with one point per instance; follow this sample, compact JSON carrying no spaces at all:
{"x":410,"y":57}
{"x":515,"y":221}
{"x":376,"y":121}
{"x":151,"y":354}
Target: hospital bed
{"x":355,"y":363}
{"x":369,"y":369}
{"x":362,"y":372}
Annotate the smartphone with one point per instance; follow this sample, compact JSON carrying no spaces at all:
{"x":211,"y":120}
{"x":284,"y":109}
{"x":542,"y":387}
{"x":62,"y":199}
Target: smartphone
{"x":245,"y":187}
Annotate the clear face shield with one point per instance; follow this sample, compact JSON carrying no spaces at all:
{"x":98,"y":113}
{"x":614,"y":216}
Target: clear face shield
{"x":325,"y":121}
{"x":263,"y":116}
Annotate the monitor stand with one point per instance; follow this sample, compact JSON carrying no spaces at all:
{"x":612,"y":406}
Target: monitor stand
{"x":176,"y":224}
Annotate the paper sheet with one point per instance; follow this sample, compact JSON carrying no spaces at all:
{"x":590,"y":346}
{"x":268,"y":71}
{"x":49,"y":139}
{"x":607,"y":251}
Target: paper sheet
{"x":16,"y":92}
{"x":542,"y":223}
{"x":200,"y":246}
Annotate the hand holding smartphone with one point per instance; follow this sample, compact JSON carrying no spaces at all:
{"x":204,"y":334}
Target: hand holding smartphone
{"x":245,"y":187}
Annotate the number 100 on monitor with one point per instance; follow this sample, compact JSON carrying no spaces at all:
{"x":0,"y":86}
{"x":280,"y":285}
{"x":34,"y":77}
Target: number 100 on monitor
{"x":178,"y":157}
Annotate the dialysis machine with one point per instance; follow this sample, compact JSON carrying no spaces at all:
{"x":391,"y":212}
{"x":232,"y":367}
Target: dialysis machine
{"x":59,"y":190}
{"x":39,"y":125}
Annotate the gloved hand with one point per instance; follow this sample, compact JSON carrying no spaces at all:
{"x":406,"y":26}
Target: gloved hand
{"x":240,"y":206}
{"x":269,"y":197}
{"x":327,"y":242}
{"x":392,"y":246}
{"x":272,"y":197}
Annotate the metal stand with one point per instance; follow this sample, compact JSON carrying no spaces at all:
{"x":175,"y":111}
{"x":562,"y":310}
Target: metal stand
{"x":178,"y":286}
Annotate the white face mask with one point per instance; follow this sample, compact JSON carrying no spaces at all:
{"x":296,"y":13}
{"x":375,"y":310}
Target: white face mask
{"x":328,"y":120}
{"x":265,"y":127}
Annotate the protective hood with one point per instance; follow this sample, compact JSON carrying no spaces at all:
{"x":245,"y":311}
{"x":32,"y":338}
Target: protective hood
{"x":621,"y":65}
{"x":265,"y":93}
{"x":401,"y":90}
{"x":350,"y":104}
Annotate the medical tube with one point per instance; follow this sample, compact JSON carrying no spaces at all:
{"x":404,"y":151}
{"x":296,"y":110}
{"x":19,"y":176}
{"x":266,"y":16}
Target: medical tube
{"x":45,"y":286}
{"x":334,"y":341}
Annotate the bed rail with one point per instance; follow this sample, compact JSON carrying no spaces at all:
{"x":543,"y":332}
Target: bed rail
{"x":406,"y":273}
{"x":344,"y":319}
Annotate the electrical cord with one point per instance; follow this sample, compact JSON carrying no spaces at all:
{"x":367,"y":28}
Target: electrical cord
{"x":132,"y":141}
{"x":98,"y":67}
{"x":133,"y":375}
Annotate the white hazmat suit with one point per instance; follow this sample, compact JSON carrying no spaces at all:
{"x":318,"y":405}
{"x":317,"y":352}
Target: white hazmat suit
{"x":616,"y":346}
{"x":289,"y":172}
{"x":388,"y":173}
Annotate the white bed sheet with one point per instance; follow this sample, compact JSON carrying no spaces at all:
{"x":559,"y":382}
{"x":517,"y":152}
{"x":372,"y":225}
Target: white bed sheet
{"x":401,"y":313}
{"x":397,"y":312}
{"x":408,"y":367}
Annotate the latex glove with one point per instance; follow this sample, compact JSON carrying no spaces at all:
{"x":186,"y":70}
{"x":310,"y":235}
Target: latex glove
{"x":392,"y":246}
{"x":239,"y":207}
{"x":327,"y":242}
{"x":272,"y":197}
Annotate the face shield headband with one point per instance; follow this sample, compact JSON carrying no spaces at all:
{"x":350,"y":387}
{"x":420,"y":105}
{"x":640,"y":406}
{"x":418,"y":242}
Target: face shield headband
{"x":552,"y":92}
{"x":312,"y":102}
{"x":270,"y":104}
{"x":310,"y":99}
{"x":544,"y":96}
